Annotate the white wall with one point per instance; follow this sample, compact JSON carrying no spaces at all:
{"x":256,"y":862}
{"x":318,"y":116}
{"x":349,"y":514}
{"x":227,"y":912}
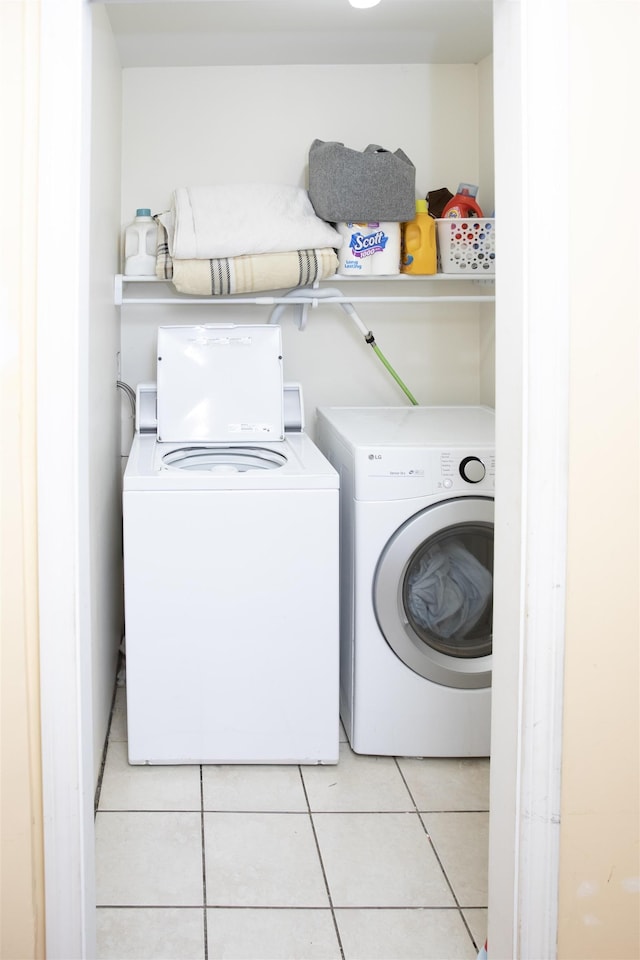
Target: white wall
{"x":599,"y":909}
{"x":200,"y":125}
{"x":21,"y":851}
{"x":486,"y":138}
{"x":102,"y":394}
{"x":195,"y":125}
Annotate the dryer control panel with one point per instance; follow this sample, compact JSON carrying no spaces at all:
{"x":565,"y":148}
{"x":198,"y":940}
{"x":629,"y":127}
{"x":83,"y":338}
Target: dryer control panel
{"x":472,"y":468}
{"x":396,"y":473}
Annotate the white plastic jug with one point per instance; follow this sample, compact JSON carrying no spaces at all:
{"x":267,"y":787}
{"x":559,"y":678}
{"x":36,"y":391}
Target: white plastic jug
{"x":140,"y":245}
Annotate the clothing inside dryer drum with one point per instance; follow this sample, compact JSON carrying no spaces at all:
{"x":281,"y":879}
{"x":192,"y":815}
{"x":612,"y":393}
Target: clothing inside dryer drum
{"x":448,"y":591}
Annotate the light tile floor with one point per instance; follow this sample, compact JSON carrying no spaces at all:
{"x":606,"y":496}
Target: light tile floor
{"x":377,"y":858}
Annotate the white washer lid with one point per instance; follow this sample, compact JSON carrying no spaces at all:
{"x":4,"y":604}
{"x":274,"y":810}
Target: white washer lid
{"x":220,"y":383}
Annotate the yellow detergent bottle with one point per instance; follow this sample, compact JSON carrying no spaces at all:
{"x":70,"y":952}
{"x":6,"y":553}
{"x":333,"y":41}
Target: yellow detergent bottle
{"x":419,"y":255}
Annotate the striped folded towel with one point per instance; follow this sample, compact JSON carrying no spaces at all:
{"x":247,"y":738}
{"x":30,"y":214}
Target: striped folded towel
{"x":247,"y":274}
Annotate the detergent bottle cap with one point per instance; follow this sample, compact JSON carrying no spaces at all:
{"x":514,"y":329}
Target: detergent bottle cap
{"x":464,"y":203}
{"x":421,"y":206}
{"x":143,"y":212}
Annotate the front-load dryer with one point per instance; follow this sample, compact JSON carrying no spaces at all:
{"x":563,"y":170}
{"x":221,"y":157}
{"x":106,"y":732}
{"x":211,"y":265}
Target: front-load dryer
{"x":230,"y":521}
{"x":416,"y":555}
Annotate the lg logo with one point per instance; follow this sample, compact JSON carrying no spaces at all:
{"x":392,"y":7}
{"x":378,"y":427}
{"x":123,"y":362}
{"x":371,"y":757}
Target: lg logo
{"x":375,"y":456}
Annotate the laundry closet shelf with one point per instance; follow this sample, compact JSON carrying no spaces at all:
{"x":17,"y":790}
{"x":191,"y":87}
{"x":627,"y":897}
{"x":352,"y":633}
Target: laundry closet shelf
{"x":122,"y":281}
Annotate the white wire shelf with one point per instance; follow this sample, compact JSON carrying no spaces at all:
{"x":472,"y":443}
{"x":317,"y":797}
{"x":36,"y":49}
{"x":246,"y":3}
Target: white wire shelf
{"x":121,"y":299}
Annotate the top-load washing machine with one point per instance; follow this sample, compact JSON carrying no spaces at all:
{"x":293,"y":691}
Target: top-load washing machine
{"x":231,"y":560}
{"x":417,"y":508}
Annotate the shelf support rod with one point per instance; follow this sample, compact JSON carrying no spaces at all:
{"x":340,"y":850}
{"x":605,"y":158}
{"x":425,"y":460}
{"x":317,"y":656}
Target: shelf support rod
{"x":274,"y":301}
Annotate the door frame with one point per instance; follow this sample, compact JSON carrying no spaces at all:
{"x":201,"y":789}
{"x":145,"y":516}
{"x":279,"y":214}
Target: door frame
{"x":530,"y":68}
{"x":63,"y":472}
{"x":531,"y":95}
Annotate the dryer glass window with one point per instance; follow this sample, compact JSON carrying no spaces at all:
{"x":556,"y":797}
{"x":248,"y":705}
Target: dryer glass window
{"x":448,"y":590}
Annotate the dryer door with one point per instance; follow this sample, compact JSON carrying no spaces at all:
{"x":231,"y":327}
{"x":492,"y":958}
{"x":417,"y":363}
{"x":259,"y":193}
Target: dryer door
{"x":433,"y":592}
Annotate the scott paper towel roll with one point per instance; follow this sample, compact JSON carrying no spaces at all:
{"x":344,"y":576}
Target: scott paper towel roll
{"x":385,"y":259}
{"x":369,"y":249}
{"x":350,"y":257}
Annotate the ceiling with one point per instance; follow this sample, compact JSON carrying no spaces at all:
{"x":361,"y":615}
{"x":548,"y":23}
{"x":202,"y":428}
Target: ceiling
{"x":209,"y":32}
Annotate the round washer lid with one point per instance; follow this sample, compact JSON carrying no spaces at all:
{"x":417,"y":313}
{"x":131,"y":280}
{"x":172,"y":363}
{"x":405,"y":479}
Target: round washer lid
{"x":225,"y":460}
{"x":220,"y":383}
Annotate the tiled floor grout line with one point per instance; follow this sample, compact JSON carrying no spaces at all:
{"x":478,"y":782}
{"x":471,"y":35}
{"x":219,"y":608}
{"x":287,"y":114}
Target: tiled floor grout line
{"x":103,"y":762}
{"x":204,"y":871}
{"x":296,"y":907}
{"x":324,"y":875}
{"x":145,"y":810}
{"x":149,"y":906}
{"x":435,"y":852}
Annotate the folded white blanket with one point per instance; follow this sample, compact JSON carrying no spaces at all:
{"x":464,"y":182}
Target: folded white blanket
{"x":238,"y":219}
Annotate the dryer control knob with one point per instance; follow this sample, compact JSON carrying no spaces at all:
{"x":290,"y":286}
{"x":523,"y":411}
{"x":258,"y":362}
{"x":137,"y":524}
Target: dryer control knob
{"x":472,"y":469}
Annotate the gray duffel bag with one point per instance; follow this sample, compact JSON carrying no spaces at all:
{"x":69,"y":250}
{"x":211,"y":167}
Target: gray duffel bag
{"x":360,"y":186}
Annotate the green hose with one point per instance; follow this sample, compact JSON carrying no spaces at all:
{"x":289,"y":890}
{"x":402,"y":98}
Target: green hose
{"x":313,"y":295}
{"x":383,"y":359}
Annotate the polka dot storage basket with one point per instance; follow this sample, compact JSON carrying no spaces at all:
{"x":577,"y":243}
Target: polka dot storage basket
{"x":466,"y":246}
